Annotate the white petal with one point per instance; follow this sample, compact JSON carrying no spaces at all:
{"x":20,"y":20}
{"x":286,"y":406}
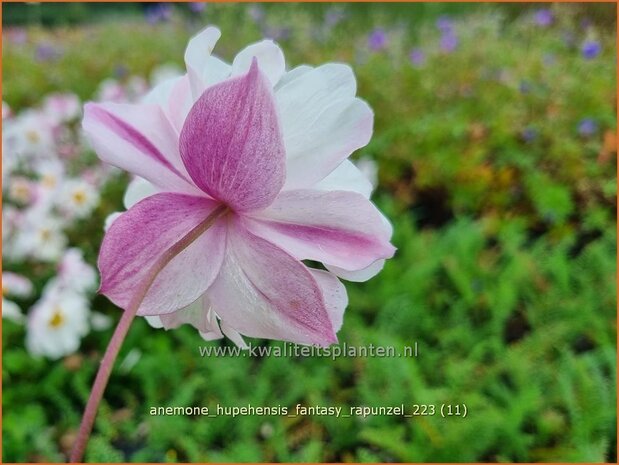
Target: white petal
{"x":160,"y":94}
{"x":197,"y":53}
{"x":346,"y":177}
{"x":154,"y":321}
{"x":303,"y":99}
{"x":291,"y":75}
{"x":358,"y":276}
{"x":234,"y":336}
{"x":137,"y":190}
{"x":110,"y":219}
{"x":343,"y":127}
{"x":270,"y":60}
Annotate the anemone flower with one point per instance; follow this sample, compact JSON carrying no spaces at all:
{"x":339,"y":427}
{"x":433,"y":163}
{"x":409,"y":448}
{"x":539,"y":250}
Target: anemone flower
{"x":249,"y":175}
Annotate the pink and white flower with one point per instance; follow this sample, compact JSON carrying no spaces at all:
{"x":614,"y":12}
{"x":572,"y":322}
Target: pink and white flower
{"x":266,"y":150}
{"x":62,"y":108}
{"x":74,"y":273}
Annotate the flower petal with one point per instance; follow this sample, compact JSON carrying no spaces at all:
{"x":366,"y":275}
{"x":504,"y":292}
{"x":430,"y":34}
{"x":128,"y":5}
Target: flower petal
{"x":198,"y":314}
{"x":334,"y":294}
{"x":269,"y":56}
{"x":140,"y":236}
{"x":197,"y":56}
{"x":346,"y":177}
{"x":11,"y":311}
{"x":179,"y":102}
{"x":160,"y":94}
{"x":308,"y":92}
{"x":138,"y":189}
{"x":337,"y":228}
{"x":358,"y":276}
{"x":343,"y":127}
{"x":291,"y":75}
{"x":138,"y":138}
{"x":231,"y":143}
{"x":312,"y":89}
{"x":261,"y":291}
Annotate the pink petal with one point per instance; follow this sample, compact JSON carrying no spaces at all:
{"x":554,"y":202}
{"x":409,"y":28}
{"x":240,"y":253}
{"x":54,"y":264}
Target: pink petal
{"x":138,"y":238}
{"x":334,"y":294}
{"x":261,"y":291}
{"x":337,"y":228}
{"x":138,"y":138}
{"x":231,"y":143}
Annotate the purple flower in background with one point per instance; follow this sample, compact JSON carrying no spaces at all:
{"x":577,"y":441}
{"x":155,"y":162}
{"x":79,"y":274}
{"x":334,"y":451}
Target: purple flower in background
{"x":449,"y":42}
{"x":256,"y":13}
{"x":524,"y":87}
{"x":377,"y":40}
{"x":586,"y":23}
{"x":444,"y":24}
{"x":197,"y":7}
{"x":529,"y":134}
{"x":276,"y":33}
{"x":120,"y":71}
{"x":17,"y":35}
{"x":158,"y":13}
{"x":587,"y":127}
{"x":417,"y":57}
{"x":334,"y":16}
{"x":543,"y":17}
{"x":591,"y":49}
{"x":47,"y":52}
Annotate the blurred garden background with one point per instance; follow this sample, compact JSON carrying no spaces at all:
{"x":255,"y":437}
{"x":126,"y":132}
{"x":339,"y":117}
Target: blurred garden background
{"x":494,"y":153}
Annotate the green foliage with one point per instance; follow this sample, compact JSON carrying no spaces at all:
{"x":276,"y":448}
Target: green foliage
{"x":505,"y":273}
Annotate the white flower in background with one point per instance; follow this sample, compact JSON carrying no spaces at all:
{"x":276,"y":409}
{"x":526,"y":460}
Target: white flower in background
{"x":164,"y":73}
{"x":74,"y":273}
{"x":77,"y":198}
{"x":137,"y":87}
{"x":22,"y":190}
{"x":100,"y":321}
{"x":40,"y":236}
{"x":50,"y":175}
{"x":62,"y":108}
{"x":11,"y":219}
{"x":57,"y":323}
{"x":6,"y":110}
{"x":31,"y":134}
{"x":110,"y":90}
{"x":14,"y":285}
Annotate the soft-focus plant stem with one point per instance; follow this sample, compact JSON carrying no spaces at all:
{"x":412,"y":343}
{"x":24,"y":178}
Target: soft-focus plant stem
{"x":107,"y":363}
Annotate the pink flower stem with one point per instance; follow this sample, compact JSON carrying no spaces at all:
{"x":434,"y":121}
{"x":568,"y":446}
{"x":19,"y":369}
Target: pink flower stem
{"x":107,"y":363}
